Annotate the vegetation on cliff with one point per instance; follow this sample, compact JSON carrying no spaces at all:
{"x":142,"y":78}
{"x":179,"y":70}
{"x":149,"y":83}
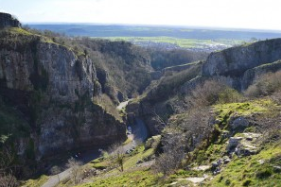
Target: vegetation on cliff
{"x":217,"y":122}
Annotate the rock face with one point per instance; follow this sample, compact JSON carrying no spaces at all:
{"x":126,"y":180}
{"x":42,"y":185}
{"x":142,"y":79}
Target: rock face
{"x":7,"y":20}
{"x":250,"y":75}
{"x":246,"y":144}
{"x":234,"y":62}
{"x":239,"y":123}
{"x":53,"y":88}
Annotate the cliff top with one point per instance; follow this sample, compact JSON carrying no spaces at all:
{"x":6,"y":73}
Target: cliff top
{"x":8,"y":20}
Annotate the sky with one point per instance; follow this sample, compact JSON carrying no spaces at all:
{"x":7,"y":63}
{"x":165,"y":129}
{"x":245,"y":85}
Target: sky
{"x":248,"y":14}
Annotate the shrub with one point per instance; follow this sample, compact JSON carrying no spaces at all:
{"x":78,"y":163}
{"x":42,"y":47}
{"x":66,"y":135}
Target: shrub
{"x":8,"y":181}
{"x":117,"y":154}
{"x":174,"y":153}
{"x":211,"y":92}
{"x":264,"y":173}
{"x":264,"y":85}
{"x":227,"y":182}
{"x":75,"y":170}
{"x":247,"y":182}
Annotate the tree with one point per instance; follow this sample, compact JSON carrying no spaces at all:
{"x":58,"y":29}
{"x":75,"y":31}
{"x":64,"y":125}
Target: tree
{"x":7,"y":166}
{"x":117,"y":152}
{"x":173,"y":153}
{"x":74,"y":166}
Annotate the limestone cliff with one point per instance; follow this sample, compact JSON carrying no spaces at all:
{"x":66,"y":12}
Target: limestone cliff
{"x":238,"y":66}
{"x":52,"y":87}
{"x":234,"y":62}
{"x":7,"y":20}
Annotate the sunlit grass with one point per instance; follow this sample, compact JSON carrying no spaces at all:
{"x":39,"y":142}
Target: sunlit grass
{"x":180,"y":42}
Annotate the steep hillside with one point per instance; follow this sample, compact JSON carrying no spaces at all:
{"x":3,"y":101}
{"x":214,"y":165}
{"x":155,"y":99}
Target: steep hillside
{"x":234,"y":62}
{"x":209,"y":133}
{"x":53,"y":88}
{"x":59,"y":95}
{"x":237,"y":67}
{"x":208,"y":118}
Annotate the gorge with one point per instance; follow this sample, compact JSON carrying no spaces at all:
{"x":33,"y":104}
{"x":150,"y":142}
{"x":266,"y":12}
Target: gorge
{"x":60,"y":96}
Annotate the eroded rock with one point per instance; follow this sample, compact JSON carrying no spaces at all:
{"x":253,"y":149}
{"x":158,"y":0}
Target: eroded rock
{"x":239,"y":123}
{"x":7,"y":20}
{"x":244,"y":145}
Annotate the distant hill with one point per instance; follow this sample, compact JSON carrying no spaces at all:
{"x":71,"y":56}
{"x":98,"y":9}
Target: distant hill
{"x":154,"y":31}
{"x":164,"y":37}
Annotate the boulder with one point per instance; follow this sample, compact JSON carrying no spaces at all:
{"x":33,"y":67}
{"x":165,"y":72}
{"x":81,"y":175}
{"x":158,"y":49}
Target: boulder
{"x":217,"y":164}
{"x":244,"y":145}
{"x":226,"y":159}
{"x":233,"y":142}
{"x":239,"y":123}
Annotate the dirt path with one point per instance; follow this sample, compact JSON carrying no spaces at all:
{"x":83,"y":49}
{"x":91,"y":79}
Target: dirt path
{"x":54,"y":180}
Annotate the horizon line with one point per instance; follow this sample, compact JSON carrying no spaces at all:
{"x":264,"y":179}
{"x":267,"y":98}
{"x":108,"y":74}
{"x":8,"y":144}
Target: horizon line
{"x":155,"y":25}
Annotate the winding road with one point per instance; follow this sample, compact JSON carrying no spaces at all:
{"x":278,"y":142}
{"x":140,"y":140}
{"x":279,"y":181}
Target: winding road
{"x":139,"y":133}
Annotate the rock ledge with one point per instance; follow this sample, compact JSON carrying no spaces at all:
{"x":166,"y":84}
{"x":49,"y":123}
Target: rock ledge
{"x":7,"y":20}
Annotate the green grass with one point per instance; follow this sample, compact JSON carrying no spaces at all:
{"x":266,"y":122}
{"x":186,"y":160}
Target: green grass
{"x":138,"y":178}
{"x":132,"y":175}
{"x":16,"y":30}
{"x":225,"y":111}
{"x":129,"y":162}
{"x":35,"y":182}
{"x":244,"y":109}
{"x":248,"y":171}
{"x":181,"y":42}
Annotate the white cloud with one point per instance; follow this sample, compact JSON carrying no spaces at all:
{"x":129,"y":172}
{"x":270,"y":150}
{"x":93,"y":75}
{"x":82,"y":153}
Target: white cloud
{"x":261,"y":14}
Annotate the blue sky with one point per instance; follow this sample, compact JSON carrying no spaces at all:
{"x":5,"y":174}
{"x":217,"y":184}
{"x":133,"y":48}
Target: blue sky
{"x":255,"y":14}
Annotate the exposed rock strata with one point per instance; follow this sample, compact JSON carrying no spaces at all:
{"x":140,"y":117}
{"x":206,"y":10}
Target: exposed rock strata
{"x":53,"y":89}
{"x":236,"y":61}
{"x":7,"y":20}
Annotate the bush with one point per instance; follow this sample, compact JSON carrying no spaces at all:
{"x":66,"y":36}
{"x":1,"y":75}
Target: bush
{"x":75,"y":170}
{"x":174,"y":153}
{"x":117,"y":156}
{"x":227,"y":182}
{"x":8,"y":181}
{"x":264,"y":173}
{"x":247,"y":182}
{"x":265,"y":85}
{"x":211,"y":92}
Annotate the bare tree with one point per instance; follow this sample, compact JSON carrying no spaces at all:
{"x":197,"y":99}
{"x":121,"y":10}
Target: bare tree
{"x":117,"y":153}
{"x":8,"y":180}
{"x":174,"y":152}
{"x":75,"y":170}
{"x":7,"y":163}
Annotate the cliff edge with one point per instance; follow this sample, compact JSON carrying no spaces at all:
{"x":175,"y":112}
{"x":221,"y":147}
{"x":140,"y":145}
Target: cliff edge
{"x":8,"y":20}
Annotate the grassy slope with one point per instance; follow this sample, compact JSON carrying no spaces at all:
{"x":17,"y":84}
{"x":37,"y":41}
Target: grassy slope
{"x":241,"y":171}
{"x":132,"y":175}
{"x":250,"y":171}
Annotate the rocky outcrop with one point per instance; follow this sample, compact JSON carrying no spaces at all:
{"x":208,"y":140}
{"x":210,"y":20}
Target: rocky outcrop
{"x":234,"y":62}
{"x":7,"y":20}
{"x":245,"y":144}
{"x":251,"y":74}
{"x":53,"y":87}
{"x":239,"y":123}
